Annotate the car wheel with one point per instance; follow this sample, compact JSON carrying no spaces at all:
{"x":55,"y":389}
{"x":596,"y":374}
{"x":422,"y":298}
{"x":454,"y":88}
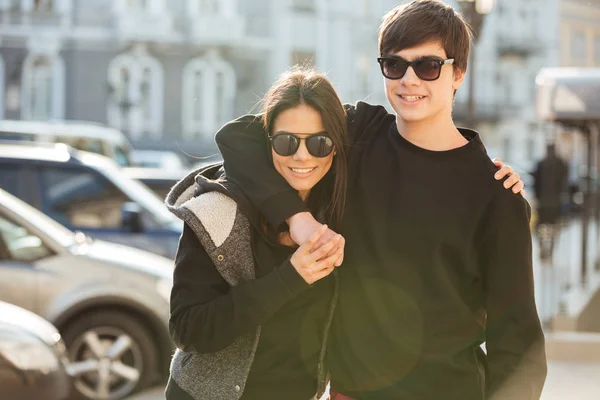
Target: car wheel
{"x":112,"y":355}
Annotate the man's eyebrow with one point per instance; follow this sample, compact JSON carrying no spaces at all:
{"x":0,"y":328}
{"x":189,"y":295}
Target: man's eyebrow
{"x":417,"y":58}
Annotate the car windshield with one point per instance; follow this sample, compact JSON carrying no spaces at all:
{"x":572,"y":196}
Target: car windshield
{"x":63,"y":236}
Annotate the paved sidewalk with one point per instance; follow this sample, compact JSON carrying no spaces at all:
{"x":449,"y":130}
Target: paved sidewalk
{"x":572,"y":380}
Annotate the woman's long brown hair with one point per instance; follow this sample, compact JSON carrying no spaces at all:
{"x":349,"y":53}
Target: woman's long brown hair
{"x":302,"y":85}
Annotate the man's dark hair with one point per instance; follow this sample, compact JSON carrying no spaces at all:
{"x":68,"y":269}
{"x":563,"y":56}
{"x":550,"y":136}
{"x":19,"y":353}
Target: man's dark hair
{"x":426,"y":21}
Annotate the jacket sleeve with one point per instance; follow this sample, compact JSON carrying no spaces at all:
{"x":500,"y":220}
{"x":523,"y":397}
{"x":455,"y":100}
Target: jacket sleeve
{"x":514,"y":339}
{"x":207,"y":314}
{"x":246,"y":157}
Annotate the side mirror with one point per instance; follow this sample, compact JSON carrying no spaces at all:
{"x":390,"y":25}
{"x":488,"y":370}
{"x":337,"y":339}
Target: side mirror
{"x":131,"y":217}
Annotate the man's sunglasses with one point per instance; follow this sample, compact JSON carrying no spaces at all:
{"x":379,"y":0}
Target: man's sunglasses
{"x":427,"y":69}
{"x":286,"y":144}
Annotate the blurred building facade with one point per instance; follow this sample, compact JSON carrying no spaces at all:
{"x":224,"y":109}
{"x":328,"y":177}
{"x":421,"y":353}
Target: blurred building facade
{"x":518,"y":38}
{"x":580,"y":33}
{"x":579,"y":47}
{"x":170,"y":73}
{"x":174,"y":71}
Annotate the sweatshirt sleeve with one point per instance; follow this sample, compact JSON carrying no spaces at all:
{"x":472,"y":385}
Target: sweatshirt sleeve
{"x":246,"y":155}
{"x":207,"y":314}
{"x":514,"y":339}
{"x":363,"y":122}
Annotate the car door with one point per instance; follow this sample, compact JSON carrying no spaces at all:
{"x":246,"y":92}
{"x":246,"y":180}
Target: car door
{"x":18,"y":179}
{"x":82,"y":199}
{"x":20,"y":251}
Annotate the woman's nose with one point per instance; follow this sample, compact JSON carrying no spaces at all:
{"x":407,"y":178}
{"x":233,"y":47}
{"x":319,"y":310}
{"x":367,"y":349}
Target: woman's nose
{"x":302,"y":152}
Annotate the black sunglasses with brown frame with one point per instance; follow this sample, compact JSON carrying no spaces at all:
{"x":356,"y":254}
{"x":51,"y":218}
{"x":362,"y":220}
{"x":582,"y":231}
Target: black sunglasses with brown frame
{"x":426,"y":68}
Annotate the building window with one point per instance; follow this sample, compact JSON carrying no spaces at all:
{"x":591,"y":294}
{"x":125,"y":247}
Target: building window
{"x":209,"y":86}
{"x":136,"y":90}
{"x":42,"y":95}
{"x":578,"y":46}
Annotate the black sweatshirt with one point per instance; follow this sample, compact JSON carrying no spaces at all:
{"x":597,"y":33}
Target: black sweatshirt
{"x":438,"y":260}
{"x":209,"y":314}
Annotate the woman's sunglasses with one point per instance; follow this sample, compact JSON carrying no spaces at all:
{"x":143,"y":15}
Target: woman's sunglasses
{"x":287,"y":144}
{"x":427,"y":69}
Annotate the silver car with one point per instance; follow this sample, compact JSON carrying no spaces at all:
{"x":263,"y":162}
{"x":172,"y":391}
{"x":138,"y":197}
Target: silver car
{"x":110,"y":302}
{"x":33,"y":362}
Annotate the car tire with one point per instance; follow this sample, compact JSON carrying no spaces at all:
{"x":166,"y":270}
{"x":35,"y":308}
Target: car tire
{"x":112,"y":355}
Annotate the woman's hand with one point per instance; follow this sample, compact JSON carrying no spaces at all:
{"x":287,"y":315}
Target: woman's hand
{"x":317,"y":264}
{"x":303,"y":225}
{"x":514,"y":179}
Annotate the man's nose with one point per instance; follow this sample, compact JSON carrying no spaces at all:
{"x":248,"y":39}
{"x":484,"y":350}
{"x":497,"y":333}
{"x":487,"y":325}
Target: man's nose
{"x":410,"y":77}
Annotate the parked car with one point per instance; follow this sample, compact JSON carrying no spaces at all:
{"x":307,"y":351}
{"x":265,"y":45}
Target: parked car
{"x":109,"y":302}
{"x":160,"y":181}
{"x":33,"y":362}
{"x":89,"y":193}
{"x":82,"y":135}
{"x":167,"y":160}
{"x":208,"y":161}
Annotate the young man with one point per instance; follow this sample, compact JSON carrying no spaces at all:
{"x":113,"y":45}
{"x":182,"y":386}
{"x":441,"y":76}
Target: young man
{"x":438,"y":254}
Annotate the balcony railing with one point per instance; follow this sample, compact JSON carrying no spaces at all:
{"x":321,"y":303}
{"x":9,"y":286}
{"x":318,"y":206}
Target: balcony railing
{"x":518,"y":41}
{"x":16,"y":18}
{"x":144,"y":26}
{"x":216,"y":29}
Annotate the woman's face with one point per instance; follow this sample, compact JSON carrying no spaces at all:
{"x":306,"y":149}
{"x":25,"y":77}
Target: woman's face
{"x":301,"y":170}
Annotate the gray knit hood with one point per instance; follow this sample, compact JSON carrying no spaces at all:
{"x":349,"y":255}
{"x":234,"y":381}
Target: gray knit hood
{"x":208,"y":179}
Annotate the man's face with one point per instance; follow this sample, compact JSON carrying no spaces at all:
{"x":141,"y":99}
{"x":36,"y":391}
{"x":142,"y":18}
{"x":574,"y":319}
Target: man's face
{"x":416,"y":100}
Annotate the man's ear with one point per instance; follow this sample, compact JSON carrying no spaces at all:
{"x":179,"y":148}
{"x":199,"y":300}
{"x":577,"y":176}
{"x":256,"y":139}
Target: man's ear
{"x":458,"y":78}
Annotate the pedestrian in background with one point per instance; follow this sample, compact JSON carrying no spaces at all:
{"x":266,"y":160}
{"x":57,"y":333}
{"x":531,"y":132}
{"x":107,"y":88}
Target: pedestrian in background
{"x":551,"y":192}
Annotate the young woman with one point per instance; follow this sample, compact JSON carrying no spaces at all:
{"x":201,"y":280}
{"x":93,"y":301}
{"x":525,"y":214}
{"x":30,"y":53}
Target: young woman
{"x":250,"y":311}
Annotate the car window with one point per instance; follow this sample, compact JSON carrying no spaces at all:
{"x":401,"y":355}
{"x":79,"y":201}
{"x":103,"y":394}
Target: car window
{"x":9,"y":178}
{"x":85,"y":144}
{"x":122,"y":157}
{"x":20,"y":243}
{"x":82,"y":198}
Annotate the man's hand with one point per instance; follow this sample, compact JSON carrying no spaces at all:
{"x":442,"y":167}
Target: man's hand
{"x":304,"y":225}
{"x":514,"y":179}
